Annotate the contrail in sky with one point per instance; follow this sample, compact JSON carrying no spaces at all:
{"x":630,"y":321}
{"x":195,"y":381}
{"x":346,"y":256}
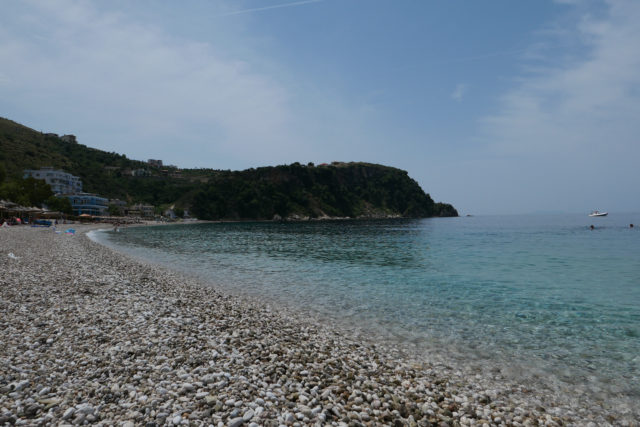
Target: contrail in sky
{"x":275,"y":6}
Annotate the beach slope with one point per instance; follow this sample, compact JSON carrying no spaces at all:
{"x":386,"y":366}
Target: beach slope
{"x":92,"y":336}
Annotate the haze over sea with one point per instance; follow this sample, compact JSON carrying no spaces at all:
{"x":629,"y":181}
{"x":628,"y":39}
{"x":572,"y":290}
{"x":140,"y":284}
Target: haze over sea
{"x":539,"y":297}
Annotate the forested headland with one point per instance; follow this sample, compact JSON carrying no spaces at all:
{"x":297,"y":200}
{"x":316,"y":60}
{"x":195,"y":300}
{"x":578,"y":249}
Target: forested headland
{"x":296,"y":191}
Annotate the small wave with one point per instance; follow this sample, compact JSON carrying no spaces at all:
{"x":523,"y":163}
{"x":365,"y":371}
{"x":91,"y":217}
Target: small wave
{"x":93,"y":235}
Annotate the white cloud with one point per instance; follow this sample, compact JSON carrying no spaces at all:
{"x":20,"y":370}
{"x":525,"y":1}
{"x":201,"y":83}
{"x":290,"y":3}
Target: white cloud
{"x":584,"y":103}
{"x":130,"y":85}
{"x":568,"y":130}
{"x":133,"y":88}
{"x":459,"y":92}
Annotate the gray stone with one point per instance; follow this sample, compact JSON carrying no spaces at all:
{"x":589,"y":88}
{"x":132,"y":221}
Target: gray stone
{"x":289,"y":418}
{"x":236,"y":422}
{"x":248,"y":415}
{"x":68,"y":413}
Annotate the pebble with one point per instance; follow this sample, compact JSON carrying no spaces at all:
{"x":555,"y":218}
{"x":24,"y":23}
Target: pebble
{"x":248,"y":415}
{"x":289,"y":418}
{"x":236,"y":422}
{"x":68,"y":413}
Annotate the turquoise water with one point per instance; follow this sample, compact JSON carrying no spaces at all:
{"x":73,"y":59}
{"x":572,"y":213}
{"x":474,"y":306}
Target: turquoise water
{"x":541,"y":296}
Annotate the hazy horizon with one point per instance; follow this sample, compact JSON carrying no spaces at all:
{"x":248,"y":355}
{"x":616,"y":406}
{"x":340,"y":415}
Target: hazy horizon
{"x":494,"y":107}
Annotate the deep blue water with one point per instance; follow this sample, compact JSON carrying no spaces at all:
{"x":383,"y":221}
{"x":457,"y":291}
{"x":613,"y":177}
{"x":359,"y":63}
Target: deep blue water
{"x":543,"y":294}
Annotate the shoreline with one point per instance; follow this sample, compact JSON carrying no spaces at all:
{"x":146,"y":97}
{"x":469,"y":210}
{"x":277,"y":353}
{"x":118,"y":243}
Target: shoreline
{"x":549,"y":385}
{"x":96,"y":336}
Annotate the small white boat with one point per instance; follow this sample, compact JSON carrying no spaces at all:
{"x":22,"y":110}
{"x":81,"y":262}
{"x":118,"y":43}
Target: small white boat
{"x":598,"y":213}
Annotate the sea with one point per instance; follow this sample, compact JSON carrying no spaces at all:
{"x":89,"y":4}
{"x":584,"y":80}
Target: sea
{"x":539,"y":298}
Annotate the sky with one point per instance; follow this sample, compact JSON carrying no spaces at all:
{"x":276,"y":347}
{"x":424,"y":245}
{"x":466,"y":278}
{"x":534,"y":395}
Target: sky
{"x":498,"y":107}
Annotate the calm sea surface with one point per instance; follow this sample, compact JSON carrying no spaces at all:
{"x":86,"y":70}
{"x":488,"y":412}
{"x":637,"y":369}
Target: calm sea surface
{"x":543,"y":296}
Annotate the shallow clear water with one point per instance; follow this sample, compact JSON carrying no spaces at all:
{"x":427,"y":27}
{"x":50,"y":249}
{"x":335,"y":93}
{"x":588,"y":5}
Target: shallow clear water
{"x":541,"y":294}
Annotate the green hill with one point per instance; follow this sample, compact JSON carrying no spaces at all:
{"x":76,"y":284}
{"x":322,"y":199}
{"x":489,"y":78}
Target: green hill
{"x":107,"y":174}
{"x":336,"y":190}
{"x":290,"y":191}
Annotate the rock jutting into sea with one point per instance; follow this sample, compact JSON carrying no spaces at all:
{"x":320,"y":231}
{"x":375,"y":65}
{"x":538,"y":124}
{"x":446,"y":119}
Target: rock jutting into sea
{"x":90,"y":336}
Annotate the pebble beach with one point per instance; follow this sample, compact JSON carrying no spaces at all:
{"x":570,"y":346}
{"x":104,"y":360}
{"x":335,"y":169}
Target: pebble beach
{"x":91,"y":336}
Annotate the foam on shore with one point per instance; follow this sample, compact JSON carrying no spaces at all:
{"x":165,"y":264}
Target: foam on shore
{"x":93,"y":336}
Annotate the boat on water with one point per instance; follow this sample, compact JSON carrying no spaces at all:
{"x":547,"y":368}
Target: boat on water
{"x":598,"y":213}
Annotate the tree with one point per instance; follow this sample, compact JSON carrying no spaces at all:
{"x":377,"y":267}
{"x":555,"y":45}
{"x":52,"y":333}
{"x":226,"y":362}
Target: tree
{"x":36,"y":190}
{"x":114,"y":210}
{"x":26,"y":192}
{"x":59,"y":204}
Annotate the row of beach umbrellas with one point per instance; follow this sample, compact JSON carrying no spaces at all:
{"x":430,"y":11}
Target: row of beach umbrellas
{"x":14,"y":209}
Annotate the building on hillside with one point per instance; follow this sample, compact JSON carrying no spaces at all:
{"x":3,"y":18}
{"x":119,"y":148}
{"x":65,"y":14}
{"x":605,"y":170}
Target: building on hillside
{"x":69,"y":138}
{"x":86,"y":203}
{"x":154,"y":162}
{"x":140,"y":210}
{"x":140,"y":172}
{"x":120,"y":205}
{"x":60,"y":181}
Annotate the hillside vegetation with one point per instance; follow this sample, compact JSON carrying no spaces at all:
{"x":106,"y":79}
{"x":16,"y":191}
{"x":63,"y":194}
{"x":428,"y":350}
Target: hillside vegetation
{"x":104,"y":173}
{"x":336,"y":190}
{"x":289,"y":191}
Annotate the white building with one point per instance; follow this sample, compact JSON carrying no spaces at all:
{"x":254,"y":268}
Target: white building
{"x":141,"y":210}
{"x":69,"y":138}
{"x":60,"y":181}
